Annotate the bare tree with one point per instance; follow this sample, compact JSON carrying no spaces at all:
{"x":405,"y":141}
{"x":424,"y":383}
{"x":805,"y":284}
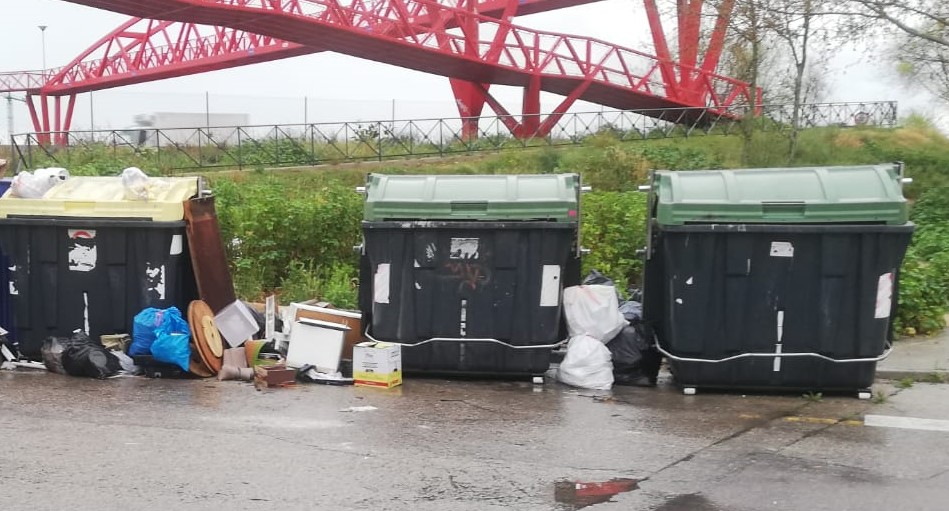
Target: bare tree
{"x":800,"y":26}
{"x":915,"y":18}
{"x":923,"y":64}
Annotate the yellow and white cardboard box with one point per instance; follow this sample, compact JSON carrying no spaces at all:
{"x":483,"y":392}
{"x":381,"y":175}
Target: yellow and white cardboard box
{"x":377,"y":364}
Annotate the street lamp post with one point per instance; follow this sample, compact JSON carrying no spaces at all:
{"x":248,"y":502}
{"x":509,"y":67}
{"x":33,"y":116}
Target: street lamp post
{"x":43,"y":36}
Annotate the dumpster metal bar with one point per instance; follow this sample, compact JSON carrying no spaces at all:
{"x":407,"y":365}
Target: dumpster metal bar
{"x":468,"y":339}
{"x":883,"y":356}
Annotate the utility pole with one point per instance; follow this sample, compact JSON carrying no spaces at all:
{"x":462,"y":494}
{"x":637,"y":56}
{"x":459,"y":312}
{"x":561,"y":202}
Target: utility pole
{"x":10,"y":118}
{"x":43,"y":37}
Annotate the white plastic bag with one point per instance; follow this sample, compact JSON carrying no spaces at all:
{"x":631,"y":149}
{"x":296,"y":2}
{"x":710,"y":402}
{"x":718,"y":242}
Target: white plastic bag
{"x":136,"y":184}
{"x":588,"y":364}
{"x":51,"y":175}
{"x":33,"y":186}
{"x":26,"y":186}
{"x":594,"y":311}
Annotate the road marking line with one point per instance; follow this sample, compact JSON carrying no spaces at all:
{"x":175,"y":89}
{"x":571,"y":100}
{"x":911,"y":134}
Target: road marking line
{"x":886,"y":421}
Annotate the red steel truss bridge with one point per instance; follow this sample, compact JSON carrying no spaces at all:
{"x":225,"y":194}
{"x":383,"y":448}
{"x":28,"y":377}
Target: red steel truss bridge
{"x":474,"y":43}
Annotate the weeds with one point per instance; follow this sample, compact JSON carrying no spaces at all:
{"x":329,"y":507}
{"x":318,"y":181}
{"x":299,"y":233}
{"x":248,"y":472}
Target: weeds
{"x":813,"y":397}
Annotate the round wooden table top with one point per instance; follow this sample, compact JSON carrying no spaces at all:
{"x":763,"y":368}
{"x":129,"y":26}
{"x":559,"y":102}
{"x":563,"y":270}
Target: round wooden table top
{"x":206,"y":336}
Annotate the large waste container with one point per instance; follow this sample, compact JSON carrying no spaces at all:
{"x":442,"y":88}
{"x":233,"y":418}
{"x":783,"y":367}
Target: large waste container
{"x":466,"y":272}
{"x":775,"y":279}
{"x":84,"y":257}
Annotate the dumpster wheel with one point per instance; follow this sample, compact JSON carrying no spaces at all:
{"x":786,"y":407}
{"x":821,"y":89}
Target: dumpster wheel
{"x":689,"y":391}
{"x":538,"y":380}
{"x":864,"y":394}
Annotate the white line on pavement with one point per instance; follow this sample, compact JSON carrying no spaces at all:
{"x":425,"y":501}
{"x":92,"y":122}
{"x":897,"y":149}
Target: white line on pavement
{"x":886,"y":421}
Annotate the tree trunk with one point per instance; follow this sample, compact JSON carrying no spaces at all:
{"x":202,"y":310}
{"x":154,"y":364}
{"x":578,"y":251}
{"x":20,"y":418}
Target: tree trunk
{"x":748,"y":123}
{"x":800,"y":69}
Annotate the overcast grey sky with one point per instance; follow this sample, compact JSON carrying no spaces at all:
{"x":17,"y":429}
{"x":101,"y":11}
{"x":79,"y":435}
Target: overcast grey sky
{"x":339,"y":87}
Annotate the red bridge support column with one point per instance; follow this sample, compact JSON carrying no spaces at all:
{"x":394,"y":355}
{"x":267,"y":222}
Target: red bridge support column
{"x":58,"y":132}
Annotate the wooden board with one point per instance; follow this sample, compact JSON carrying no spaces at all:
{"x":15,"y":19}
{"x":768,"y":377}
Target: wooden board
{"x":208,"y":257}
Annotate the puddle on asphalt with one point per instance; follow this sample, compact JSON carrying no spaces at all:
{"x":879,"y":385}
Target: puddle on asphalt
{"x":688,"y":502}
{"x":580,"y":494}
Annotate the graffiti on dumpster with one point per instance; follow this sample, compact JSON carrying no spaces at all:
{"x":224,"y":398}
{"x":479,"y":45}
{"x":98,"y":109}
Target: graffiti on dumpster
{"x":471,"y":274}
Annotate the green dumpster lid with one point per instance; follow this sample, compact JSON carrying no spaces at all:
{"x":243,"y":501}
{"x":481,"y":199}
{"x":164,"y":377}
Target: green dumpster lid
{"x":854,"y":194}
{"x":473,"y":197}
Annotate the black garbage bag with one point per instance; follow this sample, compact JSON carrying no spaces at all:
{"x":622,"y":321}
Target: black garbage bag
{"x":596,"y":278}
{"x":83,"y":356}
{"x":631,"y":311}
{"x":635,"y":358}
{"x":52,"y":352}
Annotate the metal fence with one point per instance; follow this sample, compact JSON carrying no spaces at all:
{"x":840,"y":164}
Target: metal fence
{"x":182,"y":149}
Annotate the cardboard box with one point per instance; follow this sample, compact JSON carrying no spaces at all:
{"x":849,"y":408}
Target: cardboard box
{"x":377,"y":364}
{"x":318,"y":311}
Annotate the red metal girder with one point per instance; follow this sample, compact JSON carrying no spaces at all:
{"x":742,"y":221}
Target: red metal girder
{"x":530,"y":109}
{"x":662,"y":48}
{"x":179,"y":49}
{"x":33,"y":116}
{"x":380,"y":35}
{"x":506,"y":118}
{"x":414,"y":34}
{"x":690,"y":19}
{"x":717,"y":43}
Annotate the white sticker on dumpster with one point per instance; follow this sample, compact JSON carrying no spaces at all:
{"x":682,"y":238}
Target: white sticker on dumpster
{"x":82,"y":250}
{"x":782,"y":249}
{"x":464,"y":248}
{"x":550,"y":286}
{"x":177,"y":245}
{"x":884,"y":296}
{"x":155,"y":281}
{"x":380,"y":285}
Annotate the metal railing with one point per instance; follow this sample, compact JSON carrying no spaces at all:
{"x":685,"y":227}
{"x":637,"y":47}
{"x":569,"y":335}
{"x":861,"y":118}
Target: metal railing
{"x":182,"y":149}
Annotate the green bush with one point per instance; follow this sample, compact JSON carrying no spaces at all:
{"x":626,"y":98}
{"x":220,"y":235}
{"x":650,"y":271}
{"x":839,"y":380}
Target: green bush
{"x":924,"y":281}
{"x":278,"y":236}
{"x":613,"y":228}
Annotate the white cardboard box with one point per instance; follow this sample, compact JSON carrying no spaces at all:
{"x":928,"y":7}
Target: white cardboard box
{"x":377,"y":364}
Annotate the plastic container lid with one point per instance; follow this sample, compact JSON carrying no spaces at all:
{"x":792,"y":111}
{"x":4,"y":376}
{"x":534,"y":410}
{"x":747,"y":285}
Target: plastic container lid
{"x":853,"y":194}
{"x":473,"y":197}
{"x":105,"y":197}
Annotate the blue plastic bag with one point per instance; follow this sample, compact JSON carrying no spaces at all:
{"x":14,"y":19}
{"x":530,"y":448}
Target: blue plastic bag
{"x":173,"y":348}
{"x":145,"y":330}
{"x":171,"y":340}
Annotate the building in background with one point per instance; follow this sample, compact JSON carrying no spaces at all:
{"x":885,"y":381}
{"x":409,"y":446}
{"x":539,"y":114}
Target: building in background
{"x":184,"y":128}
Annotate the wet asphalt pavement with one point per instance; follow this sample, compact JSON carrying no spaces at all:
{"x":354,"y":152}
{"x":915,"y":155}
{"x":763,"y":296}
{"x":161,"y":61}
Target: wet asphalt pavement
{"x":135,"y":443}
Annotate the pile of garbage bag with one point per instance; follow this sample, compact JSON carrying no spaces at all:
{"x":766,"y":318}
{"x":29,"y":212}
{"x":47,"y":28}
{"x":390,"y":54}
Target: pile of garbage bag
{"x":79,"y":355}
{"x":609,"y":342}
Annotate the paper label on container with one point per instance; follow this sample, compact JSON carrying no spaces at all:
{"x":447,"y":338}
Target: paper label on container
{"x":82,"y":250}
{"x":177,"y":245}
{"x":782,"y":249}
{"x":884,"y":296}
{"x":550,"y":286}
{"x":464,"y":248}
{"x":155,"y":280}
{"x":380,"y":285}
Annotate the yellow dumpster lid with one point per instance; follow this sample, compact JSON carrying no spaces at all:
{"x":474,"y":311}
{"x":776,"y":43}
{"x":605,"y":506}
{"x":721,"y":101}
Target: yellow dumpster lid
{"x":105,"y":197}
